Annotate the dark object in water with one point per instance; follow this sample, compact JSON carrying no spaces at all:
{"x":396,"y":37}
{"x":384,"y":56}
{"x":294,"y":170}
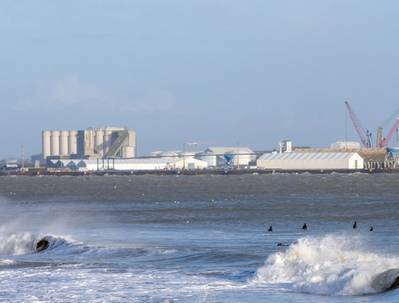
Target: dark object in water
{"x":354,"y":225}
{"x":282,"y":244}
{"x":386,"y":281}
{"x":270,"y":228}
{"x":305,"y":227}
{"x":42,"y":245}
{"x":371,"y":228}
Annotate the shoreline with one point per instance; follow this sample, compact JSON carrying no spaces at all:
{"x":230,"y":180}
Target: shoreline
{"x":44,"y":172}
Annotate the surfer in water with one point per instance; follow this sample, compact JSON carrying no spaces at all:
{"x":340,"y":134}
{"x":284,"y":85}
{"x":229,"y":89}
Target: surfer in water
{"x":42,"y":245}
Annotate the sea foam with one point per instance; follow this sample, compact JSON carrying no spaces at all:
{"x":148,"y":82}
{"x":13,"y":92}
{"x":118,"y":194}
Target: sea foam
{"x":328,"y":265}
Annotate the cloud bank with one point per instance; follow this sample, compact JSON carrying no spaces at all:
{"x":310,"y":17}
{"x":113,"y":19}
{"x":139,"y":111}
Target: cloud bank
{"x":71,"y":91}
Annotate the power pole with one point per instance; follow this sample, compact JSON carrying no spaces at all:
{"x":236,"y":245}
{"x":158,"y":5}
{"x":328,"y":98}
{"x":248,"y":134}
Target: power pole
{"x":22,"y":157}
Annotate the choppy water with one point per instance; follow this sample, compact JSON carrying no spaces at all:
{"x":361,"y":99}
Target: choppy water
{"x":198,"y":238}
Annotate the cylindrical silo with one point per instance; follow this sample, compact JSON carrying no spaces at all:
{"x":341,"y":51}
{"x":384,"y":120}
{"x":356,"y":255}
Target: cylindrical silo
{"x":107,"y":140}
{"x":55,"y":143}
{"x":132,"y":141}
{"x":46,"y":143}
{"x":64,"y":143}
{"x":99,"y":141}
{"x":73,"y":142}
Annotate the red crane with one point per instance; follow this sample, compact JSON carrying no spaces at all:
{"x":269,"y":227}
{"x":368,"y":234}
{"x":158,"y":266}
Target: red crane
{"x":391,"y":132}
{"x":364,"y":134}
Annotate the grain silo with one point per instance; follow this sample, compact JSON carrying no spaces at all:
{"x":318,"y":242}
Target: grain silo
{"x":99,"y":141}
{"x":89,"y":142}
{"x":107,"y":140}
{"x":55,"y":143}
{"x":46,"y":144}
{"x":64,"y":143}
{"x":73,"y":142}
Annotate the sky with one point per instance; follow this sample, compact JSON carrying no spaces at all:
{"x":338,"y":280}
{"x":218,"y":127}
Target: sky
{"x":224,"y":73}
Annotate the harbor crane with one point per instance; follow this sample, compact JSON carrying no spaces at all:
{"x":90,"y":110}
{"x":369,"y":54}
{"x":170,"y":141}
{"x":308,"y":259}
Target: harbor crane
{"x":392,"y":131}
{"x":381,"y":141}
{"x":364,"y":134}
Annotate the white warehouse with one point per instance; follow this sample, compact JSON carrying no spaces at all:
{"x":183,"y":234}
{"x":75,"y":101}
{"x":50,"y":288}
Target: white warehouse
{"x":311,"y":161}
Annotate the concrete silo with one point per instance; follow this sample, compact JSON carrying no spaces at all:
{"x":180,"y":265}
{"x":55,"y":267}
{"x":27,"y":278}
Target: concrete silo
{"x":107,"y":140}
{"x":55,"y":143}
{"x":99,"y":141}
{"x":73,"y":142}
{"x":89,"y":142}
{"x":132,"y":143}
{"x":64,"y":143}
{"x":46,"y":143}
{"x":127,"y":152}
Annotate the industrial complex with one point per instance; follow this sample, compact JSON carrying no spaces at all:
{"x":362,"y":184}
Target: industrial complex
{"x":91,"y":143}
{"x":114,"y":149}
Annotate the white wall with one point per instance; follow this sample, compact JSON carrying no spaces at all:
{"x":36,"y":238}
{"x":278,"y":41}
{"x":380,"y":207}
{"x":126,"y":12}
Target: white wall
{"x":190,"y":163}
{"x":352,"y":162}
{"x":210,"y":159}
{"x":139,"y":164}
{"x":241,"y":160}
{"x":316,"y":164}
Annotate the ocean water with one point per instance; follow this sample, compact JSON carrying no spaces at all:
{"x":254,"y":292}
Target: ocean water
{"x":199,"y":238}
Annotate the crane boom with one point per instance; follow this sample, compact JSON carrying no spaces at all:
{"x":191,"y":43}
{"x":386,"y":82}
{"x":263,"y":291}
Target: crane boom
{"x":364,"y":135}
{"x":390,"y":133}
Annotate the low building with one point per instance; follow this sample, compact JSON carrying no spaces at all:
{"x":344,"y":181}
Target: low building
{"x":136,"y":164}
{"x":9,"y":165}
{"x":311,"y":161}
{"x":227,"y":156}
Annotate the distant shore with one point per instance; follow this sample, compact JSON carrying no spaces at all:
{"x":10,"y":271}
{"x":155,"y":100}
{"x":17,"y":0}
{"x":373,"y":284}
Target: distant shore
{"x":189,"y":172}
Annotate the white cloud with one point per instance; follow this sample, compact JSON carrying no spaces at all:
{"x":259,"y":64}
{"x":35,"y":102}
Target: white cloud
{"x":71,"y":91}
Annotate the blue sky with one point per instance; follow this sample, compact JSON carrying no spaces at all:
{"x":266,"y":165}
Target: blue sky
{"x":215,"y":72}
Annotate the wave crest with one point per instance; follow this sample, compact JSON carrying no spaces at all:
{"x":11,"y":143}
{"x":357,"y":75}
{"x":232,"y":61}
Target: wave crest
{"x":25,"y":243}
{"x":329,"y":265}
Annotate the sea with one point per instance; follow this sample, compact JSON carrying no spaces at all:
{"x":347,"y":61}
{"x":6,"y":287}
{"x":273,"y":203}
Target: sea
{"x":200,"y":238}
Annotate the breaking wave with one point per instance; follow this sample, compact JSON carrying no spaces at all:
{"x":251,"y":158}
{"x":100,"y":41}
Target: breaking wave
{"x":329,"y":265}
{"x":25,"y":243}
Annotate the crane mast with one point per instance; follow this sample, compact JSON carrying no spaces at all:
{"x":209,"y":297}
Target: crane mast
{"x":391,"y":132}
{"x":364,"y":134}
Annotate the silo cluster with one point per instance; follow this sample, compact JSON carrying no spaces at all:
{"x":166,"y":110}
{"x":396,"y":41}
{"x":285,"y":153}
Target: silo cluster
{"x":59,"y":143}
{"x":107,"y":142}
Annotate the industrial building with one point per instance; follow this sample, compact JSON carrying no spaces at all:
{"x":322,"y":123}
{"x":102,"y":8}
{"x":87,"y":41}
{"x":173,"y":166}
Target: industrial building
{"x":91,"y":143}
{"x":138,"y":164}
{"x":227,"y":156}
{"x":9,"y":165}
{"x":311,"y":161}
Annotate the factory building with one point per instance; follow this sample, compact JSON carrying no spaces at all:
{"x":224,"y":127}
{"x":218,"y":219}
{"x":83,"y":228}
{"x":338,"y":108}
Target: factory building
{"x":311,"y":161}
{"x":107,"y":142}
{"x":227,"y":156}
{"x":138,"y":164}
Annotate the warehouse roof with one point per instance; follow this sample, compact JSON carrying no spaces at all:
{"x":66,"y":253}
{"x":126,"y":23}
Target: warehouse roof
{"x":307,"y":156}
